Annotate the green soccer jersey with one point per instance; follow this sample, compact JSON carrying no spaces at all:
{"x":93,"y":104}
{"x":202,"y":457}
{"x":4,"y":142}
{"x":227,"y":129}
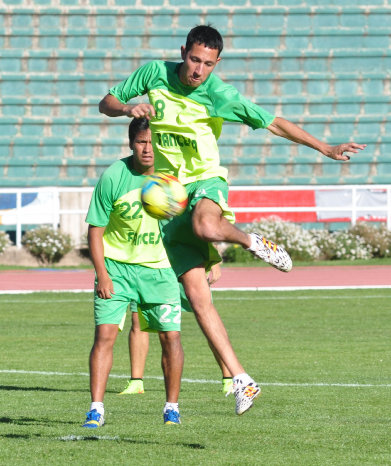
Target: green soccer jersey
{"x":131,"y":235}
{"x":189,"y":120}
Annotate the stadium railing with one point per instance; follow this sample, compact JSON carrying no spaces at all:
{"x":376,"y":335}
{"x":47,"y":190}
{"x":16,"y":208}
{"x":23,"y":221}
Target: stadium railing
{"x":303,"y":204}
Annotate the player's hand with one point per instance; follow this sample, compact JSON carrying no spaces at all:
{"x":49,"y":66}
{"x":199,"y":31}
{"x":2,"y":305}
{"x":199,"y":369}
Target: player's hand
{"x":214,"y":274}
{"x":104,"y":288}
{"x":140,"y":111}
{"x":338,"y":152}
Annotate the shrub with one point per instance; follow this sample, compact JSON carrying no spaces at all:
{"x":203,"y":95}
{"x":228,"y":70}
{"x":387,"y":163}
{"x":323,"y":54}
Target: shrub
{"x":299,"y":242}
{"x":235,"y":253}
{"x":46,"y":244}
{"x":324,"y":242}
{"x":378,"y":238}
{"x":84,"y":248}
{"x":5,"y":241}
{"x":343,"y":245}
{"x":362,"y":241}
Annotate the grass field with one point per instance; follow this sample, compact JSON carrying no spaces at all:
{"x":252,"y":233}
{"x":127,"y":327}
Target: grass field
{"x":323,"y":359}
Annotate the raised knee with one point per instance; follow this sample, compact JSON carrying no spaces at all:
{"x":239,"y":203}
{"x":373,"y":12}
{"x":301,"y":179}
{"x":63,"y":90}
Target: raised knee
{"x":204,"y":229}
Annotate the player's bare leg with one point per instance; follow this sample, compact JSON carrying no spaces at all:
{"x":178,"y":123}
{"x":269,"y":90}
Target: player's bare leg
{"x":210,"y":225}
{"x":172,"y":365}
{"x":225,"y":373}
{"x":198,"y":292}
{"x":138,"y":351}
{"x":138,"y":348}
{"x":101,"y":359}
{"x":224,"y":369}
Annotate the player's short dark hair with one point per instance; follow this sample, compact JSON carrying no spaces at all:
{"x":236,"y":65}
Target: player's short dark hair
{"x":206,"y":35}
{"x":135,"y":126}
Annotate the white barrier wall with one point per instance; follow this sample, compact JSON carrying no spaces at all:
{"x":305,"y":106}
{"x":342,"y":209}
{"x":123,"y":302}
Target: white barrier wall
{"x":66,"y":208}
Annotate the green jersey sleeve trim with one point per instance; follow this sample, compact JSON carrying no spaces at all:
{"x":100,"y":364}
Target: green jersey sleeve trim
{"x":137,"y":83}
{"x":230,"y":105}
{"x":102,"y":200}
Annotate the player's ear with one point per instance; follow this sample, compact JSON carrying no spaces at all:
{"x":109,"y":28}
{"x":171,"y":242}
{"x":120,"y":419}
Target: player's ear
{"x":183,"y":52}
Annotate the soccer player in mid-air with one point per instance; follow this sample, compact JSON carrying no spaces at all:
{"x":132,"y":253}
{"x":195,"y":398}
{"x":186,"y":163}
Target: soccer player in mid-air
{"x":131,"y":265}
{"x":187,"y":106}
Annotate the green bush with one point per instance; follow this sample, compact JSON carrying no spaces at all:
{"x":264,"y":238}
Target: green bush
{"x":299,"y":242}
{"x":5,"y":241}
{"x":235,"y":253}
{"x":343,"y":245}
{"x":47,"y":245}
{"x":377,"y":237}
{"x":362,"y":241}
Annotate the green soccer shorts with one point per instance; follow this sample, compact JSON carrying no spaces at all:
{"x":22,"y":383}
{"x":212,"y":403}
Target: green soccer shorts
{"x":155,"y":291}
{"x":184,"y":301}
{"x":185,"y":307}
{"x":184,"y":249}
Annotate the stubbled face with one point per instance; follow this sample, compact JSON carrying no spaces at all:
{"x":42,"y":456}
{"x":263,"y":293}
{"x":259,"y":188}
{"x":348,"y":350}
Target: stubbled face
{"x":197,"y":65}
{"x":143,"y":157}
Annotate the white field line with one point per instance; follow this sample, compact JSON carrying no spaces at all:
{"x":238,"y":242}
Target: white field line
{"x":44,"y":291}
{"x":300,"y":288}
{"x":76,"y":438}
{"x":216,"y":298}
{"x":202,"y":381}
{"x":276,"y":288}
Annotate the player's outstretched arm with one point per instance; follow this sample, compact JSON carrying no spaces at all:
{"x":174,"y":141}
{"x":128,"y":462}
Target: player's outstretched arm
{"x":104,"y":287}
{"x":288,"y":130}
{"x":112,"y":107}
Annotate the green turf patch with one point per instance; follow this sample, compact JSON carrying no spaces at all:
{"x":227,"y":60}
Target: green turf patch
{"x":323,"y":359}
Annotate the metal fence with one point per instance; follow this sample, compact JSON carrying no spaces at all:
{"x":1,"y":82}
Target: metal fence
{"x":66,"y":208}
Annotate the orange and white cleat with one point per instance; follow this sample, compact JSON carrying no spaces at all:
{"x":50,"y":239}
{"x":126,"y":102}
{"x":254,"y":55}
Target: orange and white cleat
{"x":245,"y":396}
{"x":270,"y":252}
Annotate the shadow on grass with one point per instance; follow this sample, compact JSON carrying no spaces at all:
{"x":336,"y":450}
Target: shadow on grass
{"x":37,"y":389}
{"x":20,"y":436}
{"x":194,"y":446}
{"x":117,"y":438}
{"x":27,"y":421}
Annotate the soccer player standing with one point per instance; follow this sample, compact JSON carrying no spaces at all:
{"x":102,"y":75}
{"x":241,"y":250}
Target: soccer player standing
{"x":188,"y":105}
{"x":131,"y":265}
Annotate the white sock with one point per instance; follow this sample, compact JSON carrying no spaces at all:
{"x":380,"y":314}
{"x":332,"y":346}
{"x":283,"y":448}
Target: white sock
{"x":98,"y":405}
{"x":173,"y":406}
{"x":242,"y":379}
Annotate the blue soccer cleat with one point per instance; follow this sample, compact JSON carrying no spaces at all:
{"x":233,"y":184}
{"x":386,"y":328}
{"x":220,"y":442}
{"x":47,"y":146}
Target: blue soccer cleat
{"x":171,"y":417}
{"x":94,"y":420}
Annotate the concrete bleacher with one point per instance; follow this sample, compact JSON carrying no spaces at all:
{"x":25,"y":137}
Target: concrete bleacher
{"x":326,"y":68}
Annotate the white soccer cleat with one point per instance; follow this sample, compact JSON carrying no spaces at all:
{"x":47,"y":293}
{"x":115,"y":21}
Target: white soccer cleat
{"x":270,"y":252}
{"x":245,"y":396}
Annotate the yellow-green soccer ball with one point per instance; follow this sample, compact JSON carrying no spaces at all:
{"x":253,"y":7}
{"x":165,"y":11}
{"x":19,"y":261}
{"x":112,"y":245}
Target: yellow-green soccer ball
{"x":163,"y":196}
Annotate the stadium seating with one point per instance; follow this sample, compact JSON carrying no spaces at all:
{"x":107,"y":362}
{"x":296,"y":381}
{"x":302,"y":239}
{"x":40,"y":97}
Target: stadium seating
{"x":325,"y":67}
